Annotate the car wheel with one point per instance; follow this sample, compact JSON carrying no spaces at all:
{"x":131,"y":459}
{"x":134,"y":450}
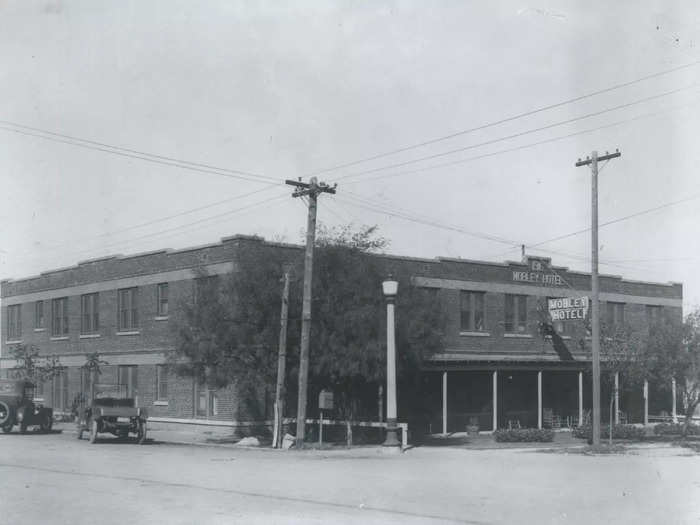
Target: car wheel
{"x":4,"y":413}
{"x":93,"y":431}
{"x":141,"y":436}
{"x":47,"y":424}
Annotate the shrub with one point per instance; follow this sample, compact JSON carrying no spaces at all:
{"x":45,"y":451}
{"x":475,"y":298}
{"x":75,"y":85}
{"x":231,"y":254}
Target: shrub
{"x":629,"y":432}
{"x":675,"y":429}
{"x":523,"y":435}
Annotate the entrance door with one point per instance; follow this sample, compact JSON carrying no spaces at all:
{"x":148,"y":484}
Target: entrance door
{"x":127,"y":380}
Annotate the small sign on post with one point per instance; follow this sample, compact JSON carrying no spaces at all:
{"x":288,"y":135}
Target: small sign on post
{"x":325,"y":402}
{"x":568,"y":308}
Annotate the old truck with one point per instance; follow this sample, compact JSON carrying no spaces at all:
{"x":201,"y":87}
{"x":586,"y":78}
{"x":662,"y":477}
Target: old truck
{"x":17,"y":407}
{"x":111,"y":411}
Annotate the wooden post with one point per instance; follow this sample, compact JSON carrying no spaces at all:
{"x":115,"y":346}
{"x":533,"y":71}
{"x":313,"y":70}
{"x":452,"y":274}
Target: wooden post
{"x":673,"y":406}
{"x":539,"y":399}
{"x":580,"y":399}
{"x":444,"y":402}
{"x":495,"y":400}
{"x":617,"y":398}
{"x":320,"y":429}
{"x":281,"y":365}
{"x":646,"y":402}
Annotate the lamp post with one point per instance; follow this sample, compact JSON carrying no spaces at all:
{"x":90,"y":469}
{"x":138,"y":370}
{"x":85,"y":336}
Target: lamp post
{"x":390,"y":287}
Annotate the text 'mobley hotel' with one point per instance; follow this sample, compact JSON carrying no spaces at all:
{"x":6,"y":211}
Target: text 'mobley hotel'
{"x":494,"y":370}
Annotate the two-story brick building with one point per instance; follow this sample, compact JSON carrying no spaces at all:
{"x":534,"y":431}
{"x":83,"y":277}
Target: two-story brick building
{"x":495,"y":366}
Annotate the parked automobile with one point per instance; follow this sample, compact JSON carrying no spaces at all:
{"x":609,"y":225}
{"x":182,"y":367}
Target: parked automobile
{"x":17,"y":407}
{"x":110,"y":411}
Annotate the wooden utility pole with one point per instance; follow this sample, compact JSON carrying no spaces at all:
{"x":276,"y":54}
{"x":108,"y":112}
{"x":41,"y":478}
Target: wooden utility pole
{"x":281,"y":365}
{"x":595,"y":300}
{"x":311,"y":189}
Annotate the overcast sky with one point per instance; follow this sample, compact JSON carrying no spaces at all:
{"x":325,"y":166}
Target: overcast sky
{"x":279,"y":91}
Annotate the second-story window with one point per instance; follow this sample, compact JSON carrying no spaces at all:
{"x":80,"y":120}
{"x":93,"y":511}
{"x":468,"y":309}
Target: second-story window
{"x":162,"y":299}
{"x":127,"y":308}
{"x":516,"y":313}
{"x":472,"y":311}
{"x":14,"y":322}
{"x":59,"y":316}
{"x":89,"y":313}
{"x":39,"y":315}
{"x":615,"y":314}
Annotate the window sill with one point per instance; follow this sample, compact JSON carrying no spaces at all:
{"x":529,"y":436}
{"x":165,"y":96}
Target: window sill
{"x":565,"y":337}
{"x":161,"y":318}
{"x":160,"y":403}
{"x":40,"y":329}
{"x":518,"y":336}
{"x":475,"y":334}
{"x":14,"y":342}
{"x":90,"y":336}
{"x":132,"y":332}
{"x":60,"y":338}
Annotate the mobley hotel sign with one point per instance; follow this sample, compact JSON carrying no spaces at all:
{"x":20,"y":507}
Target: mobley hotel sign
{"x":537,"y":274}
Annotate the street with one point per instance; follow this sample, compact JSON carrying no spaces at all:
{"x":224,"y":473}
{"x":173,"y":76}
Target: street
{"x":58,"y":479}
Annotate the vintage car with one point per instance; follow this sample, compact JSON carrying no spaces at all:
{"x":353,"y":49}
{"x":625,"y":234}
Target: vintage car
{"x":17,"y":407}
{"x":112,"y":412}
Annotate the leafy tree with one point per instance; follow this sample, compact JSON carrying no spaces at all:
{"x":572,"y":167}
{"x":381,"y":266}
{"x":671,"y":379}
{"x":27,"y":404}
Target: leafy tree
{"x":31,"y":366}
{"x":228,"y":333}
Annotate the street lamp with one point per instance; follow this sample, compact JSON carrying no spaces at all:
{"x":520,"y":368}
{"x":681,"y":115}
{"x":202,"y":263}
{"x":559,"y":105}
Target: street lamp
{"x":390,"y":287}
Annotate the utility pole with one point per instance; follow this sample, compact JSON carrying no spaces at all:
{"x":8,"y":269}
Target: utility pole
{"x":311,"y":189}
{"x":592,"y":161}
{"x":281,"y":364}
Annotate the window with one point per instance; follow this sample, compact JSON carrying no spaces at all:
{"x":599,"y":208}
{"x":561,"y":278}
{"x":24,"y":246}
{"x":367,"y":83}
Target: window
{"x":162,"y":299}
{"x":59,"y":391}
{"x":615,"y":314}
{"x":127,"y":308}
{"x":127,"y":380}
{"x":516,"y":313}
{"x":161,"y":383}
{"x":14,"y":322}
{"x":59,"y":316}
{"x":472,"y":311}
{"x":39,"y":315}
{"x":206,"y":401}
{"x":205,"y":286}
{"x":89,"y":313}
{"x":654,"y":314}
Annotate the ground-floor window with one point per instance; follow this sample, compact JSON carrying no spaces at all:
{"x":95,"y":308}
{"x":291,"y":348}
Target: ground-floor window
{"x":127,"y":380}
{"x":59,"y":391}
{"x":206,"y":401}
{"x":161,"y":383}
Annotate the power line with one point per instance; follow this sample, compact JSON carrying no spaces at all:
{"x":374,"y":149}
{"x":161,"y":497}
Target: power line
{"x":148,"y":157}
{"x":516,"y":135}
{"x":508,"y":119}
{"x":161,"y":219}
{"x":187,"y":226}
{"x":524,"y":146}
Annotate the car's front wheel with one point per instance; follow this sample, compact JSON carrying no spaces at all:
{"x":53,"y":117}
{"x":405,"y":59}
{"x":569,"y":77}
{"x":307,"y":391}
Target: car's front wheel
{"x":93,"y":431}
{"x":5,"y":414}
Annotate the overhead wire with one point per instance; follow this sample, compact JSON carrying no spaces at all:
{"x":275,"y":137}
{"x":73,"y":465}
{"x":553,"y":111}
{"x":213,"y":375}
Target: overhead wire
{"x":507,"y":119}
{"x":516,"y":135}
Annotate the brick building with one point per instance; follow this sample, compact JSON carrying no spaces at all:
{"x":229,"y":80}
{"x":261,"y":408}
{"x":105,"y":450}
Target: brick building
{"x":495,"y":367}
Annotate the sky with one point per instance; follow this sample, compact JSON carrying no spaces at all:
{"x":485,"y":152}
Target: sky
{"x":215,"y":104}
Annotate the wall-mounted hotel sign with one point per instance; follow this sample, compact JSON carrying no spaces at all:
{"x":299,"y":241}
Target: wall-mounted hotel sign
{"x":567,"y":308}
{"x":537,"y":273}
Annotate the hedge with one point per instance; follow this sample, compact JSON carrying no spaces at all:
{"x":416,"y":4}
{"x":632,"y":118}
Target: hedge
{"x":619,"y":432}
{"x":675,"y":429}
{"x":523,"y":435}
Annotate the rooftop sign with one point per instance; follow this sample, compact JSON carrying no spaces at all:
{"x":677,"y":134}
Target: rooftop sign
{"x":536,"y":273}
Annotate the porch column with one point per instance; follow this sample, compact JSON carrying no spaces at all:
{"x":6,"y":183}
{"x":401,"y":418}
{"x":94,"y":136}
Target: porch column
{"x":580,"y":399}
{"x":617,"y":398}
{"x":495,"y":399}
{"x":444,"y":402}
{"x":646,"y":402}
{"x":539,"y":399}
{"x":673,"y":406}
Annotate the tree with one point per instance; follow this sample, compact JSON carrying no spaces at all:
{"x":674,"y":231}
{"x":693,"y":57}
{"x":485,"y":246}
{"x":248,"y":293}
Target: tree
{"x":673,"y":352}
{"x":31,"y":366}
{"x":228,"y":333}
